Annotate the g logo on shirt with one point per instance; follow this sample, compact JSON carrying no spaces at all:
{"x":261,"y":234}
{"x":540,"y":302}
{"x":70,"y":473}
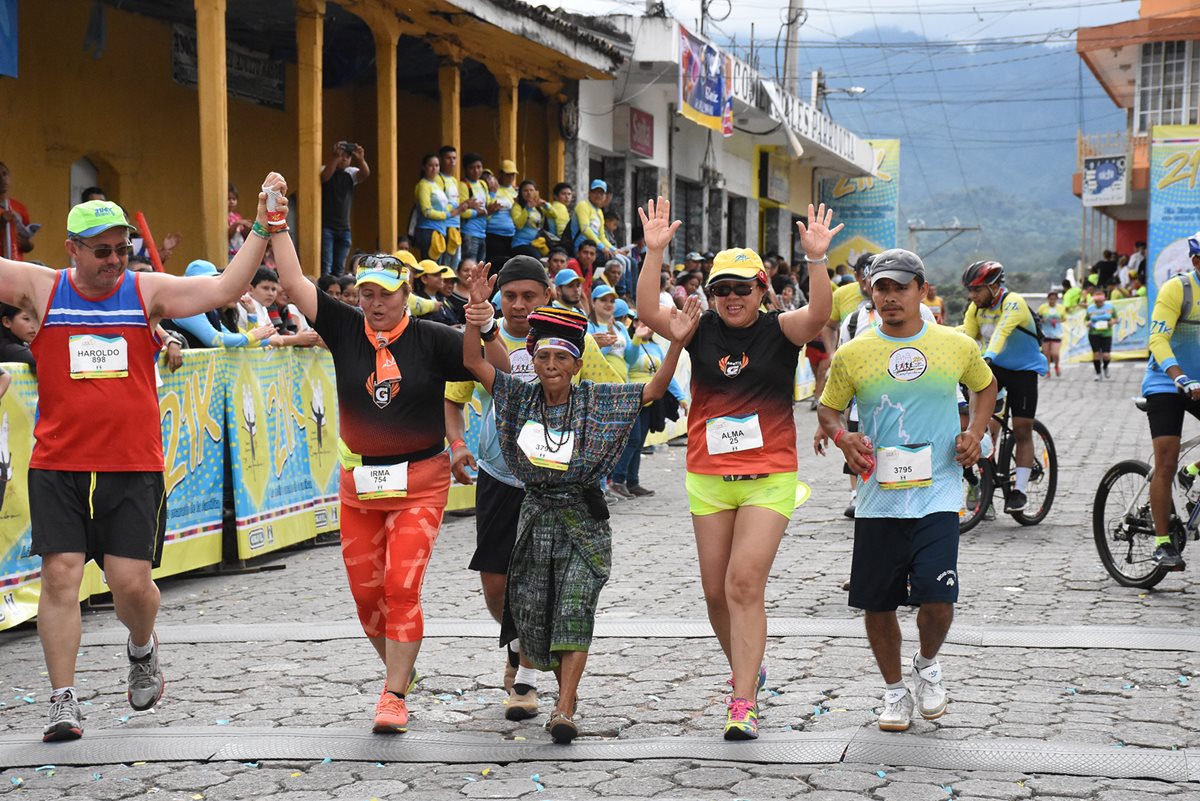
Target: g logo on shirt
{"x":381,"y":392}
{"x":907,"y":364}
{"x":732,"y":369}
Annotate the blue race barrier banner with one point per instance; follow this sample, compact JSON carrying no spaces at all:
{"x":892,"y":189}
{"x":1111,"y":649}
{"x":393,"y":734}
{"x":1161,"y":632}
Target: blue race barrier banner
{"x":268,"y":424}
{"x":1131,"y":332}
{"x":192,"y":412}
{"x":1174,"y":201}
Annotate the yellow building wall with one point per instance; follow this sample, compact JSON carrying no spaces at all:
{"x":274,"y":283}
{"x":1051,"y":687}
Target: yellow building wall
{"x":800,"y":188}
{"x":141,"y":130}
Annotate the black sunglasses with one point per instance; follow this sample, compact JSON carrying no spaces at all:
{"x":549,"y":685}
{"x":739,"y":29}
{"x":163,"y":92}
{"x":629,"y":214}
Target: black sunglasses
{"x":741,"y":290}
{"x":102,"y":252}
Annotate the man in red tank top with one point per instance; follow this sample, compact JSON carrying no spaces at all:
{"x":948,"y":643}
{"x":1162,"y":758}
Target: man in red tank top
{"x":96,"y":474}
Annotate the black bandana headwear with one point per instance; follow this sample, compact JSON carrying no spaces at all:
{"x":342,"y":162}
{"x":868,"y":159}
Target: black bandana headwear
{"x":550,"y":322}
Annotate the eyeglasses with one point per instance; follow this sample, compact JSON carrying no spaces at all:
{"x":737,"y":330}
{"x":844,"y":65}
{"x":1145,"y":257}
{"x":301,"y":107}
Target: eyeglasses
{"x":741,"y":290}
{"x":102,"y":252}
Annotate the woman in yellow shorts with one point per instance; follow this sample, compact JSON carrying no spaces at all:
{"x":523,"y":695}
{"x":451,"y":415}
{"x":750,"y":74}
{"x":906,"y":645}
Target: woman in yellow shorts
{"x":741,"y":459}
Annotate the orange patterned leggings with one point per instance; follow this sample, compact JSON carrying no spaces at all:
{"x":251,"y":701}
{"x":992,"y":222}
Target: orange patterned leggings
{"x":386,"y":553}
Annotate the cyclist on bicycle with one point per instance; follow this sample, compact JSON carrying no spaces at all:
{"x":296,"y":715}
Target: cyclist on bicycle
{"x":1172,"y":387}
{"x":993,"y":317}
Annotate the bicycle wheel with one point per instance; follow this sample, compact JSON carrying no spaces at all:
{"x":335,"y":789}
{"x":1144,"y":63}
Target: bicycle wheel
{"x":977,"y":494}
{"x":1124,"y":532}
{"x":1043,"y":477}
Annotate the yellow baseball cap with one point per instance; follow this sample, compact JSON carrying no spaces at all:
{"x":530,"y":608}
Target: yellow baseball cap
{"x":428,"y":267}
{"x":508,"y":166}
{"x":386,"y":271}
{"x":737,"y":264}
{"x":408,"y":258}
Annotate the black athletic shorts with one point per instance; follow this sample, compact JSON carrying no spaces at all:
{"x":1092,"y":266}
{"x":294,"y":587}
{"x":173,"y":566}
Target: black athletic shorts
{"x":1166,"y":410}
{"x":497,"y":508}
{"x":907,"y":561}
{"x":1022,"y":386}
{"x":1100,"y":343}
{"x":119,"y":514}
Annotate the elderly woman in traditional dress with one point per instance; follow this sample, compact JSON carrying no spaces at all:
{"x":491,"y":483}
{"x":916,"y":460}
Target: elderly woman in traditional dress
{"x":560,"y":440}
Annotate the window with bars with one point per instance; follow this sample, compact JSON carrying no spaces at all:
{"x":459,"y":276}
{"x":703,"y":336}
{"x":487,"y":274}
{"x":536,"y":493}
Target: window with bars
{"x":1168,"y":85}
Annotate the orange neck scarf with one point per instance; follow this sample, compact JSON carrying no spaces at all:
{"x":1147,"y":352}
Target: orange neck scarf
{"x":386,"y":368}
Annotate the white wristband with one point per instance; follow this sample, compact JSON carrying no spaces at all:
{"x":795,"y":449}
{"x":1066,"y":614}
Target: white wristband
{"x":824,"y":258}
{"x":488,"y":328}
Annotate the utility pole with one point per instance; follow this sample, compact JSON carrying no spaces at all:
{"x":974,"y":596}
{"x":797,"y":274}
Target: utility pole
{"x":791,"y":68}
{"x":955,"y":232}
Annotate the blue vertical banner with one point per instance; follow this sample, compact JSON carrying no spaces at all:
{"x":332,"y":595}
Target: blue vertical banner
{"x":869,"y":207}
{"x":1174,"y":201}
{"x":8,"y":38}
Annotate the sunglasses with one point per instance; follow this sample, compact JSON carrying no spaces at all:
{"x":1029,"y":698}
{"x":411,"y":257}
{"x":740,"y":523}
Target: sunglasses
{"x":104,"y":251}
{"x":724,"y":290}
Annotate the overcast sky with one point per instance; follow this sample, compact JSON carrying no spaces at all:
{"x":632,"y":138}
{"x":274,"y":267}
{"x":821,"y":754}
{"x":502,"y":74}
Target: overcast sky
{"x":938,"y":19}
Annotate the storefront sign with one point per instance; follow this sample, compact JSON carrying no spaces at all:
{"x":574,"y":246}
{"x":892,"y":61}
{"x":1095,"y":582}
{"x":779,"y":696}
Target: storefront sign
{"x":1105,"y":181}
{"x":773,"y":177}
{"x":250,"y":75}
{"x":806,"y":121}
{"x":869,"y":207}
{"x":1174,"y":201}
{"x":641,"y":132}
{"x":705,"y":91}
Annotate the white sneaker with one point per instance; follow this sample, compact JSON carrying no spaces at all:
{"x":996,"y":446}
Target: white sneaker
{"x":930,"y":695}
{"x":897,"y":710}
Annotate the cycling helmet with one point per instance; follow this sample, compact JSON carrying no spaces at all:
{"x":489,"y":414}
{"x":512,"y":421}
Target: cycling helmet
{"x":1194,"y":244}
{"x":983,"y":273}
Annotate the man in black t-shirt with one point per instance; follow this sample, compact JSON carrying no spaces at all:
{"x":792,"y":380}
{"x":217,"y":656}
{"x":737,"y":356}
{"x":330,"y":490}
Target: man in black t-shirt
{"x":345,"y":169}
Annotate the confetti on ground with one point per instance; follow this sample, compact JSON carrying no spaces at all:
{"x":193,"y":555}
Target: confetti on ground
{"x":485,"y":771}
{"x":948,"y":790}
{"x":326,"y":760}
{"x":43,"y":767}
{"x":16,"y":781}
{"x":1183,"y":680}
{"x":881,"y":774}
{"x":222,"y":722}
{"x":197,"y":796}
{"x":29,"y":699}
{"x":297,"y":774}
{"x":1072,"y":691}
{"x":96,"y":777}
{"x":250,"y":764}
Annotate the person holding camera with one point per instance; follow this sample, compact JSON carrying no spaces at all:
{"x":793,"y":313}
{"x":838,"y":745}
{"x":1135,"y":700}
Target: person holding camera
{"x":345,"y":169}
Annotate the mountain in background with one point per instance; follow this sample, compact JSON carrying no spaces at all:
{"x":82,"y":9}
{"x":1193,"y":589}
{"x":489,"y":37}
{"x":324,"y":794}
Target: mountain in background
{"x":987,"y":137}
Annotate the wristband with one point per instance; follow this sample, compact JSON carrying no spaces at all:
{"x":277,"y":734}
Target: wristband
{"x":824,"y":259}
{"x":260,"y":230}
{"x":837,"y":438}
{"x":1181,"y":380}
{"x":456,"y":444}
{"x":488,"y":328}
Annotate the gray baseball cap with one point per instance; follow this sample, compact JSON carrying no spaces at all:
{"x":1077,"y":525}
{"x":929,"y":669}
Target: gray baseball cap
{"x":902,"y":266}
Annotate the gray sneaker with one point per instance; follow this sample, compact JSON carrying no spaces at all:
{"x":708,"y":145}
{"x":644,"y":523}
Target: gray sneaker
{"x":146,"y":680}
{"x":65,"y":719}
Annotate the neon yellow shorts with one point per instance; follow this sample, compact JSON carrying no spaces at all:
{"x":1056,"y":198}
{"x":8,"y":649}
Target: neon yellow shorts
{"x":708,"y":495}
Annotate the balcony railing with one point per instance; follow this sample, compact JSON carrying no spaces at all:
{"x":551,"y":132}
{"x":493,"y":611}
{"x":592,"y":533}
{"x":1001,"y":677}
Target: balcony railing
{"x":1112,"y":144}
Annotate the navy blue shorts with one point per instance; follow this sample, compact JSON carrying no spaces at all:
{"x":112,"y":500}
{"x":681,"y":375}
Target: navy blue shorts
{"x":907,"y":561}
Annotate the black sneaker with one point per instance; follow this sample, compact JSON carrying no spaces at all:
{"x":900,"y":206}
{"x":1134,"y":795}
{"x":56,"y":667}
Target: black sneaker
{"x":1185,"y":478}
{"x":849,"y":510}
{"x":638,"y":491}
{"x":1167,"y":557}
{"x":1015,"y":502}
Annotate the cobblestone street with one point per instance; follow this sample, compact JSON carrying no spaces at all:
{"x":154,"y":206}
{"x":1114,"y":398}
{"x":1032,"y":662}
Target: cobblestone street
{"x":659,"y":686}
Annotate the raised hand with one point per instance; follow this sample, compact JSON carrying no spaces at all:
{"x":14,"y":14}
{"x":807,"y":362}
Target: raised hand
{"x":816,"y":237}
{"x":273,"y":181}
{"x":684,"y":321}
{"x":479,"y":286}
{"x":657,"y":227}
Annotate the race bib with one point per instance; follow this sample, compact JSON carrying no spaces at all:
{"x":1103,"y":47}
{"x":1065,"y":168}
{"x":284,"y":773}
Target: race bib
{"x":904,"y":466}
{"x":98,"y":357}
{"x":554,"y":454}
{"x":1101,"y":325}
{"x":381,"y":481}
{"x":733,"y":434}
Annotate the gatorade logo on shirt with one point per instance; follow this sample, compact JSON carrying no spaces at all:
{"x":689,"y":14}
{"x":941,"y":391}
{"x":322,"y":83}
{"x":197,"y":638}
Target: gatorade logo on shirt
{"x":907,"y":364}
{"x":732,"y":369}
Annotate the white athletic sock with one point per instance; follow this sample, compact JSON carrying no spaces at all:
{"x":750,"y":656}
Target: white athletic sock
{"x":894,"y":692}
{"x":527,"y":676}
{"x":58,"y":691}
{"x":139,"y":651}
{"x":1023,"y":477}
{"x":921,"y":662}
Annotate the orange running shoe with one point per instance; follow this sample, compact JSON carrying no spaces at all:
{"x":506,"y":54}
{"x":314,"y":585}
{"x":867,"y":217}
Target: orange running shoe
{"x":391,"y":714}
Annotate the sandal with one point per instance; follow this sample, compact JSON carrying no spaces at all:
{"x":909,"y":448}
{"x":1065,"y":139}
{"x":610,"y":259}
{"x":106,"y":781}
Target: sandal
{"x":562,"y":729}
